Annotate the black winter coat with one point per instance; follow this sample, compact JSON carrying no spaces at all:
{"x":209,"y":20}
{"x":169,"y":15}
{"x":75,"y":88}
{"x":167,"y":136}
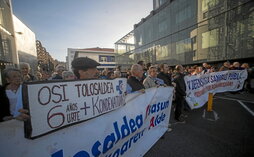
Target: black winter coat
{"x":4,"y":104}
{"x":135,"y":84}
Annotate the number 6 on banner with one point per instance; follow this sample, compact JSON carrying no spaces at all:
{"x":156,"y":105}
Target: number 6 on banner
{"x":50,"y":116}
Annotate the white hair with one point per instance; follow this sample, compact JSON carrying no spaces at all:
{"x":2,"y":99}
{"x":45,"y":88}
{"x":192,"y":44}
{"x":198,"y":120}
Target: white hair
{"x":24,"y":64}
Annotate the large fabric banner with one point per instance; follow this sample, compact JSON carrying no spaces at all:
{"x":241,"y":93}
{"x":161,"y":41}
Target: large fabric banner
{"x":198,"y":87}
{"x":128,"y":131}
{"x":54,"y":105}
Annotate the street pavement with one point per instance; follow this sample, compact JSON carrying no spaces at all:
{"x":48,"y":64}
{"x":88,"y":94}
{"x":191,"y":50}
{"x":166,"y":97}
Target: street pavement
{"x":231,"y":135}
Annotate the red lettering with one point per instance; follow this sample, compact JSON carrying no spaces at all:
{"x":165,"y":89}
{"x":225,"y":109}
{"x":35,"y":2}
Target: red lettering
{"x":50,"y":116}
{"x":151,"y":123}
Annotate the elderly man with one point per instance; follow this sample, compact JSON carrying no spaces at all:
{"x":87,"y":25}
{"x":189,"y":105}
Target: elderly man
{"x":152,"y":80}
{"x":59,"y":72}
{"x":205,"y":68}
{"x":25,"y":69}
{"x":85,"y":68}
{"x":225,"y":67}
{"x":134,"y":81}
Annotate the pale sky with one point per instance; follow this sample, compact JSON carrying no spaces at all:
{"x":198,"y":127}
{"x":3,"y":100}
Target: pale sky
{"x":62,"y":24}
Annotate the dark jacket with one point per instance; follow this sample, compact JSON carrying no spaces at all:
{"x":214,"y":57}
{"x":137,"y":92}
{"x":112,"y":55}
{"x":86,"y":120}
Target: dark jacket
{"x":237,"y":68}
{"x":5,"y":105}
{"x":57,"y":77}
{"x":180,"y":85}
{"x":135,"y":84}
{"x":166,"y":78}
{"x":33,"y":78}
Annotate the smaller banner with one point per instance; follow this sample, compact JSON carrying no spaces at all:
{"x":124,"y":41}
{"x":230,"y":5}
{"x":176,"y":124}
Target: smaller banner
{"x":198,"y":87}
{"x":54,"y":105}
{"x":129,"y":131}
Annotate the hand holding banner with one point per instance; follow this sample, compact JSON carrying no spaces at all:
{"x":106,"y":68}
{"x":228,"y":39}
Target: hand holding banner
{"x":130,"y":131}
{"x":55,"y":105}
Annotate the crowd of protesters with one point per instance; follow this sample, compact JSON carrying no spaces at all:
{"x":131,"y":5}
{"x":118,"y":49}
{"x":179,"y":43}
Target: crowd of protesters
{"x":139,"y":77}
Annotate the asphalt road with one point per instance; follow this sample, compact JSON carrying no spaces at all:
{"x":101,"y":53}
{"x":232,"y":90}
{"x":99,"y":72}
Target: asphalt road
{"x":231,"y":135}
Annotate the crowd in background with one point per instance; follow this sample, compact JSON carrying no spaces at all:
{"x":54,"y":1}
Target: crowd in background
{"x":139,"y":77}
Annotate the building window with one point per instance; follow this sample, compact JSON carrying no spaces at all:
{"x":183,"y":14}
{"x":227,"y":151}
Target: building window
{"x":210,"y":38}
{"x":183,"y":46}
{"x":103,"y":58}
{"x":194,"y":40}
{"x":112,"y":59}
{"x":184,"y":14}
{"x":206,"y":4}
{"x":194,"y":53}
{"x":205,"y":15}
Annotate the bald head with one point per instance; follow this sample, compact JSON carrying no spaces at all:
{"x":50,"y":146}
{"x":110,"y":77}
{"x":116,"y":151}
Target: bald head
{"x":137,"y":70}
{"x":236,"y":64}
{"x":205,"y":65}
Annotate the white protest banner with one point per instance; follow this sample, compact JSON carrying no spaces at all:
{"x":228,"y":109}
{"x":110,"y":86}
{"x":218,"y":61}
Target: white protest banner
{"x":198,"y":87}
{"x":129,"y":131}
{"x":53,"y":105}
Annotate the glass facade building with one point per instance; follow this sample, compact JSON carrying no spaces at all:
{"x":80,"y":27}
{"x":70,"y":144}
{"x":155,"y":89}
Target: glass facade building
{"x":195,"y":31}
{"x":8,"y":54}
{"x":124,"y":50}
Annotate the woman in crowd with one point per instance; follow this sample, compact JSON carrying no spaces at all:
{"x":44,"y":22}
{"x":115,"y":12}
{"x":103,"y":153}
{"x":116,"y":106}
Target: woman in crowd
{"x":11,"y":94}
{"x":12,"y":89}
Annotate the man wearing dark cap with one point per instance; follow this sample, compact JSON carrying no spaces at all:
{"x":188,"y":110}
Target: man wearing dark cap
{"x":85,"y":68}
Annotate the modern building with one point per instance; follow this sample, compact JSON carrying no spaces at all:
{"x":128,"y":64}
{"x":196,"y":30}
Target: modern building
{"x":104,"y":56}
{"x":25,"y":44}
{"x":124,"y":51}
{"x":191,"y":32}
{"x":8,"y":53}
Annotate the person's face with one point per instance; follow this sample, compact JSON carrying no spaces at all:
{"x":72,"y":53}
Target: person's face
{"x":226,"y":64}
{"x":205,"y":65}
{"x":236,"y":64}
{"x":60,"y":71}
{"x":138,"y":72}
{"x":39,"y":75}
{"x":166,"y":68}
{"x":24,"y":70}
{"x":90,"y":73}
{"x":212,"y":69}
{"x":45,"y":75}
{"x":170,"y":71}
{"x":112,"y":76}
{"x":153,"y":72}
{"x":199,"y":69}
{"x":181,"y":70}
{"x":14,"y":78}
